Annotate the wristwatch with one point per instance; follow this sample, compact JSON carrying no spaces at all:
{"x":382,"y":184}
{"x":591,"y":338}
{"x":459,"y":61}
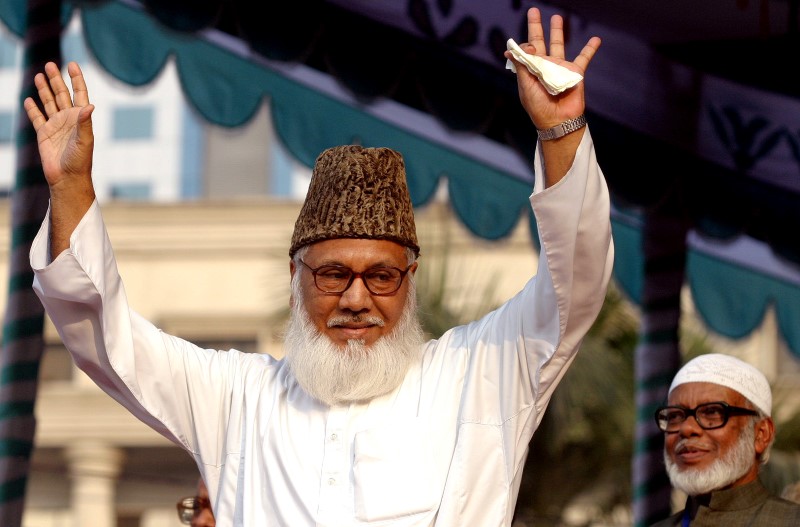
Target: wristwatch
{"x":562,"y":129}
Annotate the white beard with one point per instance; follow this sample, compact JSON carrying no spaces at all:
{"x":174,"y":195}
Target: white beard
{"x":721,"y":473}
{"x":355,"y":372}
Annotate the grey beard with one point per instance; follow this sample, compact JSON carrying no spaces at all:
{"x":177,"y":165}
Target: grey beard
{"x":355,"y":372}
{"x":721,"y":473}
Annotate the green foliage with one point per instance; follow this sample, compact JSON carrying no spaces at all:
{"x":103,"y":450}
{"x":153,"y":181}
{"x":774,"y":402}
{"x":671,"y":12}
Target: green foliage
{"x":437,"y":310}
{"x":585,"y":441}
{"x":583,"y":447}
{"x":787,"y":435}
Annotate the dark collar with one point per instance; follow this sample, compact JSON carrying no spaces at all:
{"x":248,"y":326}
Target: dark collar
{"x":735,"y":499}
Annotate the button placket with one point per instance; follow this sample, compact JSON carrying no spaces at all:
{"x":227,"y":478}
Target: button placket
{"x":334,"y":465}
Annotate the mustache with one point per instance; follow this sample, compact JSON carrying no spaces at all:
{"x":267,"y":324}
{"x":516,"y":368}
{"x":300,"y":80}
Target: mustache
{"x":689,"y":444}
{"x":342,"y":320}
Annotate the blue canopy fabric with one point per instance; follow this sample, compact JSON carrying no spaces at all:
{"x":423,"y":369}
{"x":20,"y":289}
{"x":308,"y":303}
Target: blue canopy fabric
{"x":226,"y":86}
{"x":427,"y":78}
{"x":488,"y":181}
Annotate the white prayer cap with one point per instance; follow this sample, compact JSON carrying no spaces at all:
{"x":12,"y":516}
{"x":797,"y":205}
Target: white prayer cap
{"x":730,"y":372}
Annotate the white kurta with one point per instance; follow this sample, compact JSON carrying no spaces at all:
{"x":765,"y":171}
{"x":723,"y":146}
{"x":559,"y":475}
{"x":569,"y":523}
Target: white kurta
{"x":446,"y":448}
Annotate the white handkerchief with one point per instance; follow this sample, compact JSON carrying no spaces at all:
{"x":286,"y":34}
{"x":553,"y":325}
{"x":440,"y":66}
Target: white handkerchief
{"x":554,"y":77}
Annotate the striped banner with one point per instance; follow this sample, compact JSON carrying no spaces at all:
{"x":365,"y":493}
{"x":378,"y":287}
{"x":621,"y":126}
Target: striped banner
{"x":657,"y":358}
{"x":23,"y":341}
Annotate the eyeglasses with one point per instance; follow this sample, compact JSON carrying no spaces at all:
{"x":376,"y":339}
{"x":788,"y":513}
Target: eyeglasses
{"x":189,"y":508}
{"x":708,"y":415}
{"x":336,"y":279}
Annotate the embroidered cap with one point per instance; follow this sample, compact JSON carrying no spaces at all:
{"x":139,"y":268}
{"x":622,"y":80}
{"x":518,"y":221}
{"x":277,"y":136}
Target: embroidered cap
{"x":730,"y":372}
{"x":357,"y":192}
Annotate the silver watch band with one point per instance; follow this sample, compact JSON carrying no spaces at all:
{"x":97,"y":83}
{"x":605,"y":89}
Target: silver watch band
{"x":562,"y":129}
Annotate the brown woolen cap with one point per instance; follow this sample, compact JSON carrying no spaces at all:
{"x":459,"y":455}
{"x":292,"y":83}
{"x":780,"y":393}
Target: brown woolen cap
{"x":357,"y":192}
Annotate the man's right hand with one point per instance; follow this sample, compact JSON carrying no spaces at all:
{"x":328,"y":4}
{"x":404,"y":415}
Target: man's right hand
{"x":66,"y":143}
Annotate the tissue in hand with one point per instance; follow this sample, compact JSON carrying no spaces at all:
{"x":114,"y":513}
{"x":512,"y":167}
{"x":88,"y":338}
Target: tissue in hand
{"x":555,"y":78}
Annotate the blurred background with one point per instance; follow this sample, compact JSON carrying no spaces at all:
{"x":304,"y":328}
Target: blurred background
{"x":209,"y":115}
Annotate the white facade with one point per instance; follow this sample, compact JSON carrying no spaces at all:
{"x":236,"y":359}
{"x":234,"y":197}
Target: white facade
{"x":139,"y":160}
{"x":10,"y":109}
{"x":149,"y":143}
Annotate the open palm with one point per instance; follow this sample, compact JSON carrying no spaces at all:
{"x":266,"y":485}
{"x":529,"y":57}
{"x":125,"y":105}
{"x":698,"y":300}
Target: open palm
{"x":64,"y":130}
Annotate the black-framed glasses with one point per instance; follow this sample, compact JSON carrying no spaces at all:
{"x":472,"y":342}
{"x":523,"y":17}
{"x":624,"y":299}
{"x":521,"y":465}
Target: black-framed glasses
{"x":708,"y":415}
{"x":336,"y":279}
{"x":189,"y":508}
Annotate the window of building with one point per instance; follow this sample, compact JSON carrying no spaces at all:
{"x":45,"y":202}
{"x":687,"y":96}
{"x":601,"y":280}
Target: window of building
{"x":133,"y":122}
{"x":73,"y":48}
{"x":6,"y":127}
{"x":131,"y":191}
{"x":8,"y":52}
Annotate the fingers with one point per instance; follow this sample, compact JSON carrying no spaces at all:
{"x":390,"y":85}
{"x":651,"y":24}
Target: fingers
{"x":45,"y":94}
{"x":59,"y":89}
{"x":34,"y":114}
{"x":535,"y":32}
{"x":557,"y":36}
{"x":85,"y":118}
{"x":55,"y":96}
{"x":80,"y":94}
{"x":53,"y":91}
{"x":586,"y":54}
{"x":557,"y":45}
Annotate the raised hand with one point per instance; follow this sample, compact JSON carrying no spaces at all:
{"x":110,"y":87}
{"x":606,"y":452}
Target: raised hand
{"x":64,"y":130}
{"x":66,"y":144}
{"x":544,"y":109}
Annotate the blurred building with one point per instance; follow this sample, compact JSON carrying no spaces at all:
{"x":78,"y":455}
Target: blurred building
{"x":201,"y":219}
{"x":149,"y":143}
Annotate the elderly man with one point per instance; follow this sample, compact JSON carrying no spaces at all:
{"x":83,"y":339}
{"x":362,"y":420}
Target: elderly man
{"x":718,"y":433}
{"x":363,"y":423}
